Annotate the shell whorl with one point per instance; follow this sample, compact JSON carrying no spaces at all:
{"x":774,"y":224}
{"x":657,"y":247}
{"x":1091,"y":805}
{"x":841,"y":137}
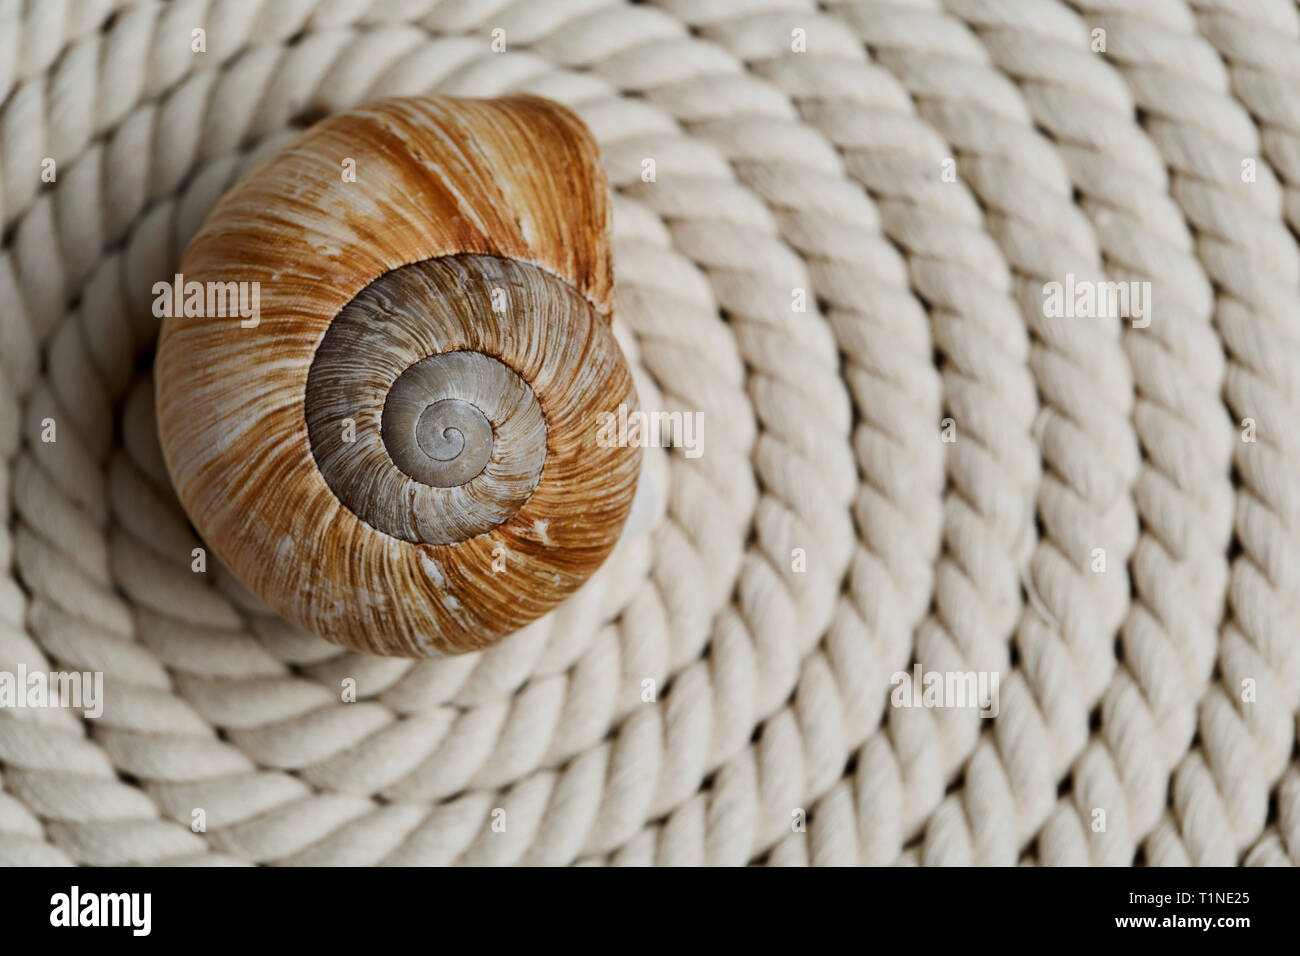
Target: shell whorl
{"x":402,"y":454}
{"x":436,"y":430}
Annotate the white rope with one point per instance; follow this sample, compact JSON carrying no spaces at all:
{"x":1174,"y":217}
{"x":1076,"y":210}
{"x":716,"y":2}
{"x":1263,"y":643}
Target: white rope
{"x":770,"y":735}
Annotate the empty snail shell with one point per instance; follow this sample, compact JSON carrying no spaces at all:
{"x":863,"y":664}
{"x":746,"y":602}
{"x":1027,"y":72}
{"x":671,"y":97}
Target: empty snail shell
{"x":399,"y":450}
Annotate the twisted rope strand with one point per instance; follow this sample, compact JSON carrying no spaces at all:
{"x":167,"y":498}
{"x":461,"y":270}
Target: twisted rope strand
{"x":1183,"y":492}
{"x":1081,"y":507}
{"x":938,"y":267}
{"x":1204,"y":135}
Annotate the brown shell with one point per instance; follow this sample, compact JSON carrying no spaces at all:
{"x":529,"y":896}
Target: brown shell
{"x":452,"y":199}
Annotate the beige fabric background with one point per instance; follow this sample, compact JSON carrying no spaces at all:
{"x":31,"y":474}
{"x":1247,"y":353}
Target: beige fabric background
{"x":1173,"y":157}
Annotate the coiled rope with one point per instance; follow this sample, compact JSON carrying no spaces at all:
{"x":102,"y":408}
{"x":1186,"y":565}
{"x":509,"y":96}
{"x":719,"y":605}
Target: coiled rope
{"x":769,"y":735}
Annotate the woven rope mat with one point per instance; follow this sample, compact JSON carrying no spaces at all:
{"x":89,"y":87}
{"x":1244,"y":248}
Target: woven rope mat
{"x":921,"y":170}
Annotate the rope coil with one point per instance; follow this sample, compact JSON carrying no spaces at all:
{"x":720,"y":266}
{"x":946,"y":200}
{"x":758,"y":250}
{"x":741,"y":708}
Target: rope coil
{"x":913,"y":175}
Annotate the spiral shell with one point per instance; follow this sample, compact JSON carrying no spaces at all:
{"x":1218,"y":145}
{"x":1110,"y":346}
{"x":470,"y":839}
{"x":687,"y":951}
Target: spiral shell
{"x":401,"y":454}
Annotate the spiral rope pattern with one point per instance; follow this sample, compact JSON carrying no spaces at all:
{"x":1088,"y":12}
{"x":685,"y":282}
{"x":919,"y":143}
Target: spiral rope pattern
{"x":912,"y":174}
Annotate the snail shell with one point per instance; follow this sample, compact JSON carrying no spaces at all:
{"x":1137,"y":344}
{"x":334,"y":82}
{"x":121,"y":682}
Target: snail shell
{"x":401,"y":454}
